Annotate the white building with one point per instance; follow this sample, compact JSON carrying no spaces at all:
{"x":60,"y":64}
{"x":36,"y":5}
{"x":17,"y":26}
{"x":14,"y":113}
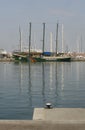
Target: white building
{"x":3,"y":53}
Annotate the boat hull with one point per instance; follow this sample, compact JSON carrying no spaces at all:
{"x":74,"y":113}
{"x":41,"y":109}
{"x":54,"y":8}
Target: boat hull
{"x":20,"y":58}
{"x":52,"y":59}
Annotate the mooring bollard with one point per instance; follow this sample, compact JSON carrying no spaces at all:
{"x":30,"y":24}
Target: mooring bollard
{"x":48,"y":106}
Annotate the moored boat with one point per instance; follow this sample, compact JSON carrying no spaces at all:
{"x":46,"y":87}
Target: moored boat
{"x":52,"y":59}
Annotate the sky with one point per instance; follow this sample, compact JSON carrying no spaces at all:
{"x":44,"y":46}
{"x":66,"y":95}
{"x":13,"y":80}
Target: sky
{"x":15,"y":13}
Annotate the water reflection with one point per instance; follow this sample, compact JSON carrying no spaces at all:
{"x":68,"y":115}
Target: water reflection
{"x":24,"y":86}
{"x":43,"y":83}
{"x":51,"y":75}
{"x":49,"y":82}
{"x":62,"y":76}
{"x":77,"y":70}
{"x":30,"y":85}
{"x":21,"y":77}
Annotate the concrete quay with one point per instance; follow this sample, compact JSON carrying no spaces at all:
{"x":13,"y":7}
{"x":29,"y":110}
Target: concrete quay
{"x":41,"y":125}
{"x":59,"y":114}
{"x":63,"y":118}
{"x":49,"y":119}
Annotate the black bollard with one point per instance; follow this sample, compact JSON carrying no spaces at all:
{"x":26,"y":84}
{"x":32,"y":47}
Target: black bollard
{"x":48,"y":105}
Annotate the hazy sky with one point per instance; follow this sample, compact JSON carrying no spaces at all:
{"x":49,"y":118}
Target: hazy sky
{"x":20,"y":12}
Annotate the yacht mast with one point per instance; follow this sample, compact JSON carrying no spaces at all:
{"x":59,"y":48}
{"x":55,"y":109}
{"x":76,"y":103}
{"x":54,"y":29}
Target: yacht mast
{"x":62,"y":38}
{"x":81,"y":43}
{"x":29,"y":37}
{"x":43,"y":38}
{"x":20,"y":40}
{"x":57,"y":39}
{"x":51,"y":42}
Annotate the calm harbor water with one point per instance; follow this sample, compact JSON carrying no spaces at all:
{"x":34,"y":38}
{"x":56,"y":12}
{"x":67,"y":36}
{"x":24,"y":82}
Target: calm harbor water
{"x":24,"y":86}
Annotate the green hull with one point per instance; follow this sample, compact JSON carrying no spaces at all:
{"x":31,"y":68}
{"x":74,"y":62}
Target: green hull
{"x":20,"y":58}
{"x":24,"y":58}
{"x":52,"y":59}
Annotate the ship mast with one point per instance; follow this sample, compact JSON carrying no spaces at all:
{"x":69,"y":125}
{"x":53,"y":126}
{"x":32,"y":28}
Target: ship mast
{"x":29,"y":37}
{"x":20,"y":40}
{"x":81,"y":43}
{"x":57,"y":39}
{"x":62,"y":37}
{"x":43,"y":38}
{"x":51,"y":42}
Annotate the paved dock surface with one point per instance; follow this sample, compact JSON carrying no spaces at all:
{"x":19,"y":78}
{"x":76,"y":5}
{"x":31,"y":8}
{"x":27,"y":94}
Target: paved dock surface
{"x":59,"y":114}
{"x":49,"y":119}
{"x":40,"y":125}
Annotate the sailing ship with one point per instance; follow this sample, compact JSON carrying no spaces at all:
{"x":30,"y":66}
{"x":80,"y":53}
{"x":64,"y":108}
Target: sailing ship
{"x":48,"y":56}
{"x":39,"y":57}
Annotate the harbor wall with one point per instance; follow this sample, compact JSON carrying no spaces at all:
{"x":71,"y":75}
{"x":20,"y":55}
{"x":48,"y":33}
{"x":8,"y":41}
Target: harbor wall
{"x":41,"y":125}
{"x":49,"y":119}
